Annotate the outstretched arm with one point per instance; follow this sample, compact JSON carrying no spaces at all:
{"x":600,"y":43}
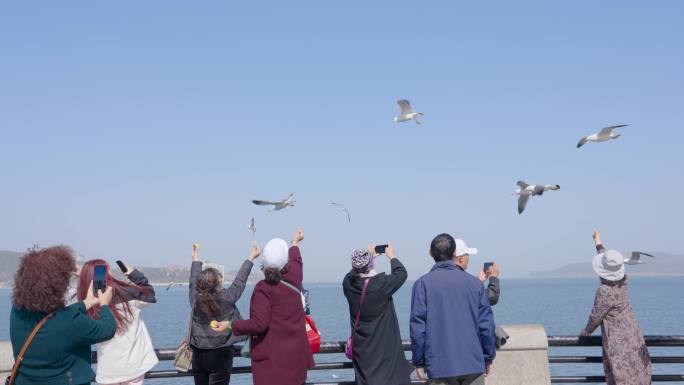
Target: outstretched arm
{"x":259,"y":314}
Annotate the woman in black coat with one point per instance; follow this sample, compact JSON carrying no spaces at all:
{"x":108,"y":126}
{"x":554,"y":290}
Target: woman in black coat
{"x":378,"y":355}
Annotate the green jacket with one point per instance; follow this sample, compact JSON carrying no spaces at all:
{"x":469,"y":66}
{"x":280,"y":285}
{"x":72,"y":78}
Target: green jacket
{"x":60,"y":352}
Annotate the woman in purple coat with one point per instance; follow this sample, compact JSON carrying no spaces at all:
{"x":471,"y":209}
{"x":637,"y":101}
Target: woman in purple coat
{"x":279,"y":346}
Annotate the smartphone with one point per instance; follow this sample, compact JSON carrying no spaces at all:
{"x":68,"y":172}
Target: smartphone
{"x":487,"y":265}
{"x":122,"y":267}
{"x":380,"y":249}
{"x":100,"y":277}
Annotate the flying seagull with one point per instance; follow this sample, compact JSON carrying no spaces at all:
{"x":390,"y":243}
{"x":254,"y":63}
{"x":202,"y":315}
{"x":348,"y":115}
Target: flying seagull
{"x":635,"y":258}
{"x":407,"y":112}
{"x":279,"y":205}
{"x":605,"y":134}
{"x":527,"y":190}
{"x":172,"y":284}
{"x":252,"y":227}
{"x":343,"y":209}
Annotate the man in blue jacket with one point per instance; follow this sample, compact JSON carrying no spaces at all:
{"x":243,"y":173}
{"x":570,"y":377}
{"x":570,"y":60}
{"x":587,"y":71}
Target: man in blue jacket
{"x":452,"y":326}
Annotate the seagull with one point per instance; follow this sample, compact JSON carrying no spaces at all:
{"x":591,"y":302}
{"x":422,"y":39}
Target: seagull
{"x":605,"y":134}
{"x":635,"y":259}
{"x":172,"y":284}
{"x":343,"y":209}
{"x":252,"y":227}
{"x":526,"y":191}
{"x":279,"y":205}
{"x":407,"y":112}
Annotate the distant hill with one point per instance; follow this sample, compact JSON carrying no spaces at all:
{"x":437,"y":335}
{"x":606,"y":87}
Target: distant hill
{"x":9,"y":262}
{"x":664,"y":264}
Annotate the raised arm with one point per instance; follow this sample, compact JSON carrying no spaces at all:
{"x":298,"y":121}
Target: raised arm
{"x":144,"y":291}
{"x":295,"y":271}
{"x":259,"y":314}
{"x":235,"y":290}
{"x":493,"y":290}
{"x":195,"y":270}
{"x":87,"y":331}
{"x":398,"y":275}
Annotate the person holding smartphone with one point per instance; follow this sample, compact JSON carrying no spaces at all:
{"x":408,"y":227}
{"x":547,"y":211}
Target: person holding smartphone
{"x":129,"y":354}
{"x":378,"y":354}
{"x":490,"y":272}
{"x":60,"y":352}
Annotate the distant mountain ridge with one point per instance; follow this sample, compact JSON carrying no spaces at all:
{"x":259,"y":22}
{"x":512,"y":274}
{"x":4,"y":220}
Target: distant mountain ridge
{"x":664,"y":264}
{"x":9,"y":262}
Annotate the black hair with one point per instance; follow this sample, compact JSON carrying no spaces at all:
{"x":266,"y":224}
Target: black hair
{"x":443,"y":247}
{"x":273,"y":276}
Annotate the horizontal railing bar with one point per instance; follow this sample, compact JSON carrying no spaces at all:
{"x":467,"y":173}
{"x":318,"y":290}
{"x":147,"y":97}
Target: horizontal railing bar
{"x":596,"y":341}
{"x":592,"y":379}
{"x":599,"y":359}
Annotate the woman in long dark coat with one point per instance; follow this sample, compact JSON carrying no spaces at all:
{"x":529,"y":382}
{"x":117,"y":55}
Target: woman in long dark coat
{"x":626,"y":360}
{"x":378,"y":354}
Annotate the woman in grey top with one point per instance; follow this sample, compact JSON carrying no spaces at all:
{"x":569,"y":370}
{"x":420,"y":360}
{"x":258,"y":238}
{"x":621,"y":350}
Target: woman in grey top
{"x":212,"y":357}
{"x":625,"y":357}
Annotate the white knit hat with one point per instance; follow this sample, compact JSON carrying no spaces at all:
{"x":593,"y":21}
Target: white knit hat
{"x":609,"y":265}
{"x":274,"y":254}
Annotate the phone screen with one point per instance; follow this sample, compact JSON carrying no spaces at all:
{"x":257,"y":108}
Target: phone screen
{"x":487,"y":265}
{"x":100,"y":278}
{"x":380,"y":249}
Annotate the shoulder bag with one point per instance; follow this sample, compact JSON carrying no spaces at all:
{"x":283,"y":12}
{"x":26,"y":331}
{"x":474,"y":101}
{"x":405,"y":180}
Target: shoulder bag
{"x":183,"y":359}
{"x":349,"y":350}
{"x":312,"y":333}
{"x":22,"y":352}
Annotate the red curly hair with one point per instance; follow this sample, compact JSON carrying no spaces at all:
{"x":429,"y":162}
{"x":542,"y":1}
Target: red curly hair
{"x":42,"y":280}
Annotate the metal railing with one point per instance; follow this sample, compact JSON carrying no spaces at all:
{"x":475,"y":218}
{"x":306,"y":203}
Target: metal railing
{"x":554,"y":341}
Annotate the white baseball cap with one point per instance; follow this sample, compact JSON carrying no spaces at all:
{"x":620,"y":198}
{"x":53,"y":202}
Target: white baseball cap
{"x":609,"y":265}
{"x":275,"y":254}
{"x":462,"y":248}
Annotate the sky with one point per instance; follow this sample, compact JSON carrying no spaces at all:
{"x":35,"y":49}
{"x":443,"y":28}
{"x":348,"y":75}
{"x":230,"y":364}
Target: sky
{"x":130,"y":130}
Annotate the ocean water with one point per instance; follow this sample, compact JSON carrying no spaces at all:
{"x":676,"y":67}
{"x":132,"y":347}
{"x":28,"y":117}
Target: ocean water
{"x":561,"y":305}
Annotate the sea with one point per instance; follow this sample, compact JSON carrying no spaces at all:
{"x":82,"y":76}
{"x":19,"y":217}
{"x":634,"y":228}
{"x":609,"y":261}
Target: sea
{"x":562,"y":306}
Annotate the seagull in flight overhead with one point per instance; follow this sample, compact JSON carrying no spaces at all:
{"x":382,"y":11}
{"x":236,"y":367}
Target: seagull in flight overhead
{"x":343,"y":209}
{"x":279,"y":205}
{"x":635,"y":258}
{"x":252,"y":227}
{"x":407,"y":112}
{"x":605,"y":134}
{"x":527,"y":190}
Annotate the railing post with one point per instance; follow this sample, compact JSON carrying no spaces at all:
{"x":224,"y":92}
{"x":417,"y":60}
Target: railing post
{"x":523,"y":360}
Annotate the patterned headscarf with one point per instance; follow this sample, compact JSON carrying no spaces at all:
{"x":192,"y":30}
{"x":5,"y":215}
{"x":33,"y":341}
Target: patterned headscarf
{"x":361,"y":260}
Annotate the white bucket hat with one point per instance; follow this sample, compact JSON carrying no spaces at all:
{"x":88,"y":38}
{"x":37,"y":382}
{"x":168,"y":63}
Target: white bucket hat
{"x":609,"y":265}
{"x":462,"y":248}
{"x":274,"y":254}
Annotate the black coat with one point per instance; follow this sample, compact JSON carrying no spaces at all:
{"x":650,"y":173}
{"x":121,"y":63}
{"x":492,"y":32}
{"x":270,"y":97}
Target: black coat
{"x":378,"y":354}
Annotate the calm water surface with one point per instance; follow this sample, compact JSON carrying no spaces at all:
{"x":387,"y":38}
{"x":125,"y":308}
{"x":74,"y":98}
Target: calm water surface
{"x":561,"y":305}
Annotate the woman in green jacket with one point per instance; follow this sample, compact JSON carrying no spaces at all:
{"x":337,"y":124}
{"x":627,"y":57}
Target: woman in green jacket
{"x":60,"y":352}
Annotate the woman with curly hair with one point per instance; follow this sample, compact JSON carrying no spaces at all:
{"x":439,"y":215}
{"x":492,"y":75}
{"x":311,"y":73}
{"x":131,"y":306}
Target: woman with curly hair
{"x":60,"y":351}
{"x":129,"y":355}
{"x":212,"y":357}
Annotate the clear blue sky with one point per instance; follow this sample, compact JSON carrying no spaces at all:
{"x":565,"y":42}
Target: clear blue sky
{"x":133,"y":128}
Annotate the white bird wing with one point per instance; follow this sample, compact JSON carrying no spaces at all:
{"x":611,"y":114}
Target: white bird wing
{"x":522,"y":185}
{"x":405,"y":107}
{"x":607,"y":130}
{"x":522,"y":202}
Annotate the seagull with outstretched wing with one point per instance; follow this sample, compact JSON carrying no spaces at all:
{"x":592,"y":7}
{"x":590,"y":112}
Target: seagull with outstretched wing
{"x":343,"y":209}
{"x":635,"y":258}
{"x":605,"y":134}
{"x":525,"y":191}
{"x":406,"y":112}
{"x":278,"y":205}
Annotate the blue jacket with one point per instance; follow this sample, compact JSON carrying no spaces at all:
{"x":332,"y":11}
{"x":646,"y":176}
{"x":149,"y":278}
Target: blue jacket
{"x":452,"y":325}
